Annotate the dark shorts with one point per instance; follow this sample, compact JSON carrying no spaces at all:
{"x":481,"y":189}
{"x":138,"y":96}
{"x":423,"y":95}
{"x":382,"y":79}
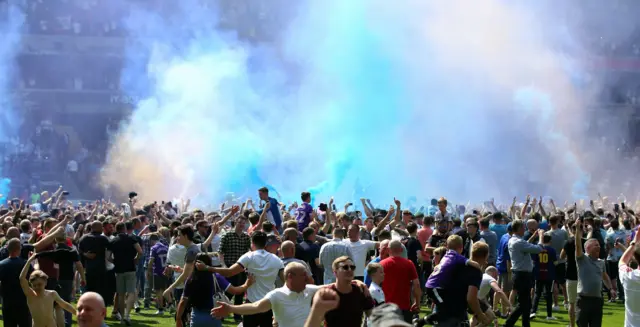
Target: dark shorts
{"x":561,"y":272}
{"x":612,"y":269}
{"x":160,"y":282}
{"x":483,"y":307}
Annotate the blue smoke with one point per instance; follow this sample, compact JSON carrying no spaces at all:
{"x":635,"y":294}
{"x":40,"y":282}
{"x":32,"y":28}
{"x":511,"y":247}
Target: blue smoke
{"x":346,"y":94}
{"x":10,"y":27}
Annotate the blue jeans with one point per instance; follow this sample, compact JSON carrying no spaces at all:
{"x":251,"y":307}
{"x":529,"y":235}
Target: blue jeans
{"x":201,"y":318}
{"x":144,"y":289}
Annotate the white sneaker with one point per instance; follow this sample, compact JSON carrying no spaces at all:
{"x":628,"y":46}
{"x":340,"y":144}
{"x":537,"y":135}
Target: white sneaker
{"x":552,"y":318}
{"x":566,"y":306}
{"x":116,"y":316}
{"x":159,"y":312}
{"x":556,"y":308}
{"x":533,"y":315}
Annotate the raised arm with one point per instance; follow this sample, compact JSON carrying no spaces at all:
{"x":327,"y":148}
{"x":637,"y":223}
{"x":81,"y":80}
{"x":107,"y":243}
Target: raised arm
{"x":579,"y":250}
{"x":366,"y":208}
{"x":24,"y":283}
{"x":64,"y":304}
{"x":523,"y":212}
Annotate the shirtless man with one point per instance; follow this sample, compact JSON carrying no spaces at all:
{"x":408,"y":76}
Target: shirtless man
{"x":39,"y":300}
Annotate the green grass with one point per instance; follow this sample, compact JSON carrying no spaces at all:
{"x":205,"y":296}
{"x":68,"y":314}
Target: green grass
{"x":613,"y":316}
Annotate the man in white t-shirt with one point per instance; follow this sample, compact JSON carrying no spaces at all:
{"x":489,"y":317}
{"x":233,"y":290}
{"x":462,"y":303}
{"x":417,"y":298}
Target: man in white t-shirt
{"x":489,"y":282}
{"x":290,"y":304}
{"x":265,"y":266}
{"x":630,"y":279}
{"x":359,"y":250}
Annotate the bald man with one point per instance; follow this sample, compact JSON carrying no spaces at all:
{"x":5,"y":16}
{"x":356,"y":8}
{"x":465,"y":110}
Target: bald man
{"x":91,"y":310}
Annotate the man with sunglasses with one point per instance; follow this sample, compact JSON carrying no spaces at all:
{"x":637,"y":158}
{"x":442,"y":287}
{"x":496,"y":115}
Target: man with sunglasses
{"x":354,"y":299}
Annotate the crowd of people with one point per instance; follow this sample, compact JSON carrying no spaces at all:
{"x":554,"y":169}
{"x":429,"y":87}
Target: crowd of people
{"x":268,"y":263}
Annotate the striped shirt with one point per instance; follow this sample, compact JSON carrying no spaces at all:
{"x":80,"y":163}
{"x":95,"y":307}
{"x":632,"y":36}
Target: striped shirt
{"x":329,"y":252}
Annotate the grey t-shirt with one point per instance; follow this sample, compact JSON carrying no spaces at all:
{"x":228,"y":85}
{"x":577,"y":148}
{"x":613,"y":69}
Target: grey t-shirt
{"x":590,"y":276}
{"x":558,"y":239}
{"x":192,"y":252}
{"x":491,"y":238}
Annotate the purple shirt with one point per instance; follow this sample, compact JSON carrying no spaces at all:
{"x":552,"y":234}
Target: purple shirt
{"x":159,"y":255}
{"x":223,"y":283}
{"x":303,"y":215}
{"x":442,"y":272}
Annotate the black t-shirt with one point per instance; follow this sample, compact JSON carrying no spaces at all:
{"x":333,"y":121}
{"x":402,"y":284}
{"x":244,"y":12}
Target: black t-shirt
{"x":94,"y":243}
{"x":10,"y":269}
{"x":299,"y":252}
{"x":455,"y":299}
{"x":570,"y":251}
{"x":603,"y":249}
{"x":199,"y":291}
{"x":437,"y":240}
{"x":124,"y":253}
{"x":349,"y":311}
{"x":65,"y":257}
{"x":311,"y":251}
{"x":413,"y":246}
{"x":24,"y":251}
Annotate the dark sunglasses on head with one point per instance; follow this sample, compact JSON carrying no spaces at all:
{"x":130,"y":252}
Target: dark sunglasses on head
{"x":348,"y":267}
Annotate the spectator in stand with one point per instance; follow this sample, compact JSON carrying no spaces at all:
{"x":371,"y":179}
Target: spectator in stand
{"x":304,"y":211}
{"x":401,"y":282}
{"x":630,"y":279}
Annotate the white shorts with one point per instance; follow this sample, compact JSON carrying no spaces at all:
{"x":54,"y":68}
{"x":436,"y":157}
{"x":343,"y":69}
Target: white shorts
{"x":572,"y":291}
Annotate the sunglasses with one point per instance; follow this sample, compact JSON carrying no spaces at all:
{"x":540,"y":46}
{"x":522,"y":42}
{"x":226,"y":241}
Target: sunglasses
{"x":348,"y":267}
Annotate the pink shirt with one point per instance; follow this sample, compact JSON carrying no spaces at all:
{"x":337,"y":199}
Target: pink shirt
{"x":424,"y":234}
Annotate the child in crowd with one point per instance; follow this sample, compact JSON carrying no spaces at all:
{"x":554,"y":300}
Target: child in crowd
{"x":376,"y":272}
{"x":441,"y":276}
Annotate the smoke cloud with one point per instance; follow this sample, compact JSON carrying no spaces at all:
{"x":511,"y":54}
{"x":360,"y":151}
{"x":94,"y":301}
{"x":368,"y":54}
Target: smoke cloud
{"x":10,"y":118}
{"x":358,"y":98}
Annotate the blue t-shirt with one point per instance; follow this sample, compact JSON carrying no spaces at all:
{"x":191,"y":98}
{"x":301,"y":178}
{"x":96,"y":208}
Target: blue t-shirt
{"x":367,"y":279}
{"x":503,"y":254}
{"x":544,"y":225}
{"x":544,"y":264}
{"x":499,"y":229}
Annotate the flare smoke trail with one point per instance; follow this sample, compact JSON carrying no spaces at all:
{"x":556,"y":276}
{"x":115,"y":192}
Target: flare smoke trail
{"x":463,"y":99}
{"x":11,"y":21}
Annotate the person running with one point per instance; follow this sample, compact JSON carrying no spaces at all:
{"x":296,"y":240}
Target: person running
{"x":40,"y":300}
